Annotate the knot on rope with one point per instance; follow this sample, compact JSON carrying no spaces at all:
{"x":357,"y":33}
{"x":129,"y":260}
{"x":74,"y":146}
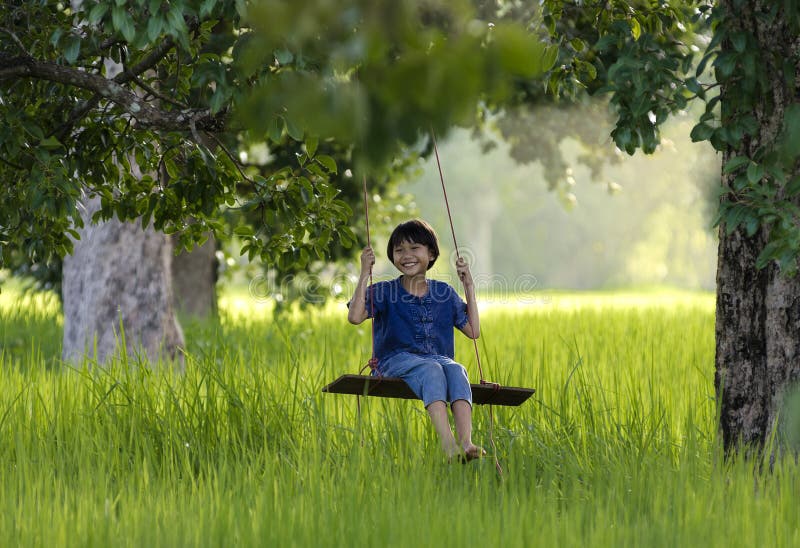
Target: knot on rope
{"x":494,"y":385}
{"x":372,"y":364}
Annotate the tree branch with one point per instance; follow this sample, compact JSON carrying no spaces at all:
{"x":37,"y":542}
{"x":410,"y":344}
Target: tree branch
{"x":158,"y":94}
{"x":149,"y":61}
{"x":145,"y":115}
{"x":234,"y":160}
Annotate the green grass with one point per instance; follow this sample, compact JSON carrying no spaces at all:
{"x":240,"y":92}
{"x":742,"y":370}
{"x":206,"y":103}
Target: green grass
{"x":617,"y":448}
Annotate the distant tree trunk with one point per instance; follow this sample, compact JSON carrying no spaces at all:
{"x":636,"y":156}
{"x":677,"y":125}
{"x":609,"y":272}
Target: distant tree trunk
{"x":758,"y":311}
{"x":119,"y":275}
{"x":485,"y":217}
{"x":194,"y":280}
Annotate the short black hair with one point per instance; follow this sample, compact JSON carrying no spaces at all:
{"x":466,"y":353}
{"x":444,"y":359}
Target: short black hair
{"x":415,"y":231}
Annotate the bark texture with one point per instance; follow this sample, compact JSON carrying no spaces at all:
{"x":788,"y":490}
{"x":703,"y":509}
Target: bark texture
{"x":758,"y":311}
{"x":194,"y":280}
{"x":119,"y":275}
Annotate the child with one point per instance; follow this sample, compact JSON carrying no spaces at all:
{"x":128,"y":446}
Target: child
{"x":414,"y":319}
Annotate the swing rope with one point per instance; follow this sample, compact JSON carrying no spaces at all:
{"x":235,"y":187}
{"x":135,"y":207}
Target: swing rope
{"x":458,"y":255}
{"x":373,"y":361}
{"x":494,"y":385}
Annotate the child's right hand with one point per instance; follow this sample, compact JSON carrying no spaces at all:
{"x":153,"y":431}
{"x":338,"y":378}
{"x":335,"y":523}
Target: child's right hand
{"x":367,"y":260}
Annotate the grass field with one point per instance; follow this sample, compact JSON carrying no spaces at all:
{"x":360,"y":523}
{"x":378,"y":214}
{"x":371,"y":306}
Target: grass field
{"x":617,"y":448}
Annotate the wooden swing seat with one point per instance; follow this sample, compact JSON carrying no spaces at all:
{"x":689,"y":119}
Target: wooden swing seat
{"x":392,"y":387}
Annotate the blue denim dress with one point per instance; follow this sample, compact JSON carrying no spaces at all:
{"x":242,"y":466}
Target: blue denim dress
{"x":414,"y":338}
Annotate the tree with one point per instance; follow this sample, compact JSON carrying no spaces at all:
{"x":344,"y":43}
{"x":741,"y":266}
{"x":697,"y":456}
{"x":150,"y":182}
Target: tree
{"x":194,"y":280}
{"x":758,"y":291}
{"x":117,"y":283}
{"x":642,"y":54}
{"x":76,"y":127}
{"x":326,"y":86}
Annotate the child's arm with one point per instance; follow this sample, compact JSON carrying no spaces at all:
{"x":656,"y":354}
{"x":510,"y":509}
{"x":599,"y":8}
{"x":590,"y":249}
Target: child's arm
{"x":472,"y":328}
{"x":358,"y":305}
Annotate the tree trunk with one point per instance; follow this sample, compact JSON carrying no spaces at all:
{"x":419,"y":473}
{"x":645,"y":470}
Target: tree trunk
{"x":194,"y":280}
{"x":758,"y":311}
{"x":119,"y":277}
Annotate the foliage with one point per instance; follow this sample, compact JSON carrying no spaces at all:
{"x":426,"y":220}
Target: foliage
{"x":154,"y":117}
{"x":635,"y":51}
{"x":644,"y":55}
{"x":762,"y":185}
{"x":204,"y":81}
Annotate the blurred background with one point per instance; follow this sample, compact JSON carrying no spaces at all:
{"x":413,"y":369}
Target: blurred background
{"x":545,"y":198}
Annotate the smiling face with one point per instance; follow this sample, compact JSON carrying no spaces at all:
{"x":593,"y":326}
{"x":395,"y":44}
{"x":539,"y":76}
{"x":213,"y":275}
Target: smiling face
{"x":412,"y":259}
{"x":416,"y":234}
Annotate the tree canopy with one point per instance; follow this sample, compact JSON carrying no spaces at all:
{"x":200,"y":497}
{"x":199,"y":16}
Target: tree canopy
{"x":90,"y":90}
{"x":158,"y":108}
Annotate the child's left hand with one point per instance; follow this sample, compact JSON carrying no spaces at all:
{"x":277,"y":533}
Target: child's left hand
{"x":463,"y":272}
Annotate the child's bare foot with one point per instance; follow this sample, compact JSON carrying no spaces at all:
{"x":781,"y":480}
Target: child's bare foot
{"x":451,"y":451}
{"x":472,"y":452}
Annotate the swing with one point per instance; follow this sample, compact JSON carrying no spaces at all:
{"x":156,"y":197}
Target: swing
{"x":391,"y":387}
{"x":484,"y":392}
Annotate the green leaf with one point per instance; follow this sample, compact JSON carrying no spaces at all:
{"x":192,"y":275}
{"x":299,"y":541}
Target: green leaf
{"x":739,"y":40}
{"x":175,"y":21}
{"x":311,"y":146}
{"x":751,"y":225}
{"x":56,"y":36}
{"x":243,"y":230}
{"x":217,"y":100}
{"x":793,"y":187}
{"x":770,"y":252}
{"x":622,"y":137}
{"x":549,"y":57}
{"x":733,"y":217}
{"x":294,"y":131}
{"x":327,"y":162}
{"x":725,"y":63}
{"x":701,"y":66}
{"x":50,"y":143}
{"x":735,"y":163}
{"x":72,"y":50}
{"x":636,"y":29}
{"x":587,"y":70}
{"x":207,"y":7}
{"x":755,"y":172}
{"x":33,"y":129}
{"x":123,"y":22}
{"x":154,"y":27}
{"x":172,"y":168}
{"x":694,"y":86}
{"x":701,"y":132}
{"x":97,"y":13}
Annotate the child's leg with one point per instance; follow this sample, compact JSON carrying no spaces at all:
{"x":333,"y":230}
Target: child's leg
{"x":462,"y":413}
{"x":438,"y":413}
{"x":422,"y":374}
{"x":460,"y":394}
{"x":427,"y":380}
